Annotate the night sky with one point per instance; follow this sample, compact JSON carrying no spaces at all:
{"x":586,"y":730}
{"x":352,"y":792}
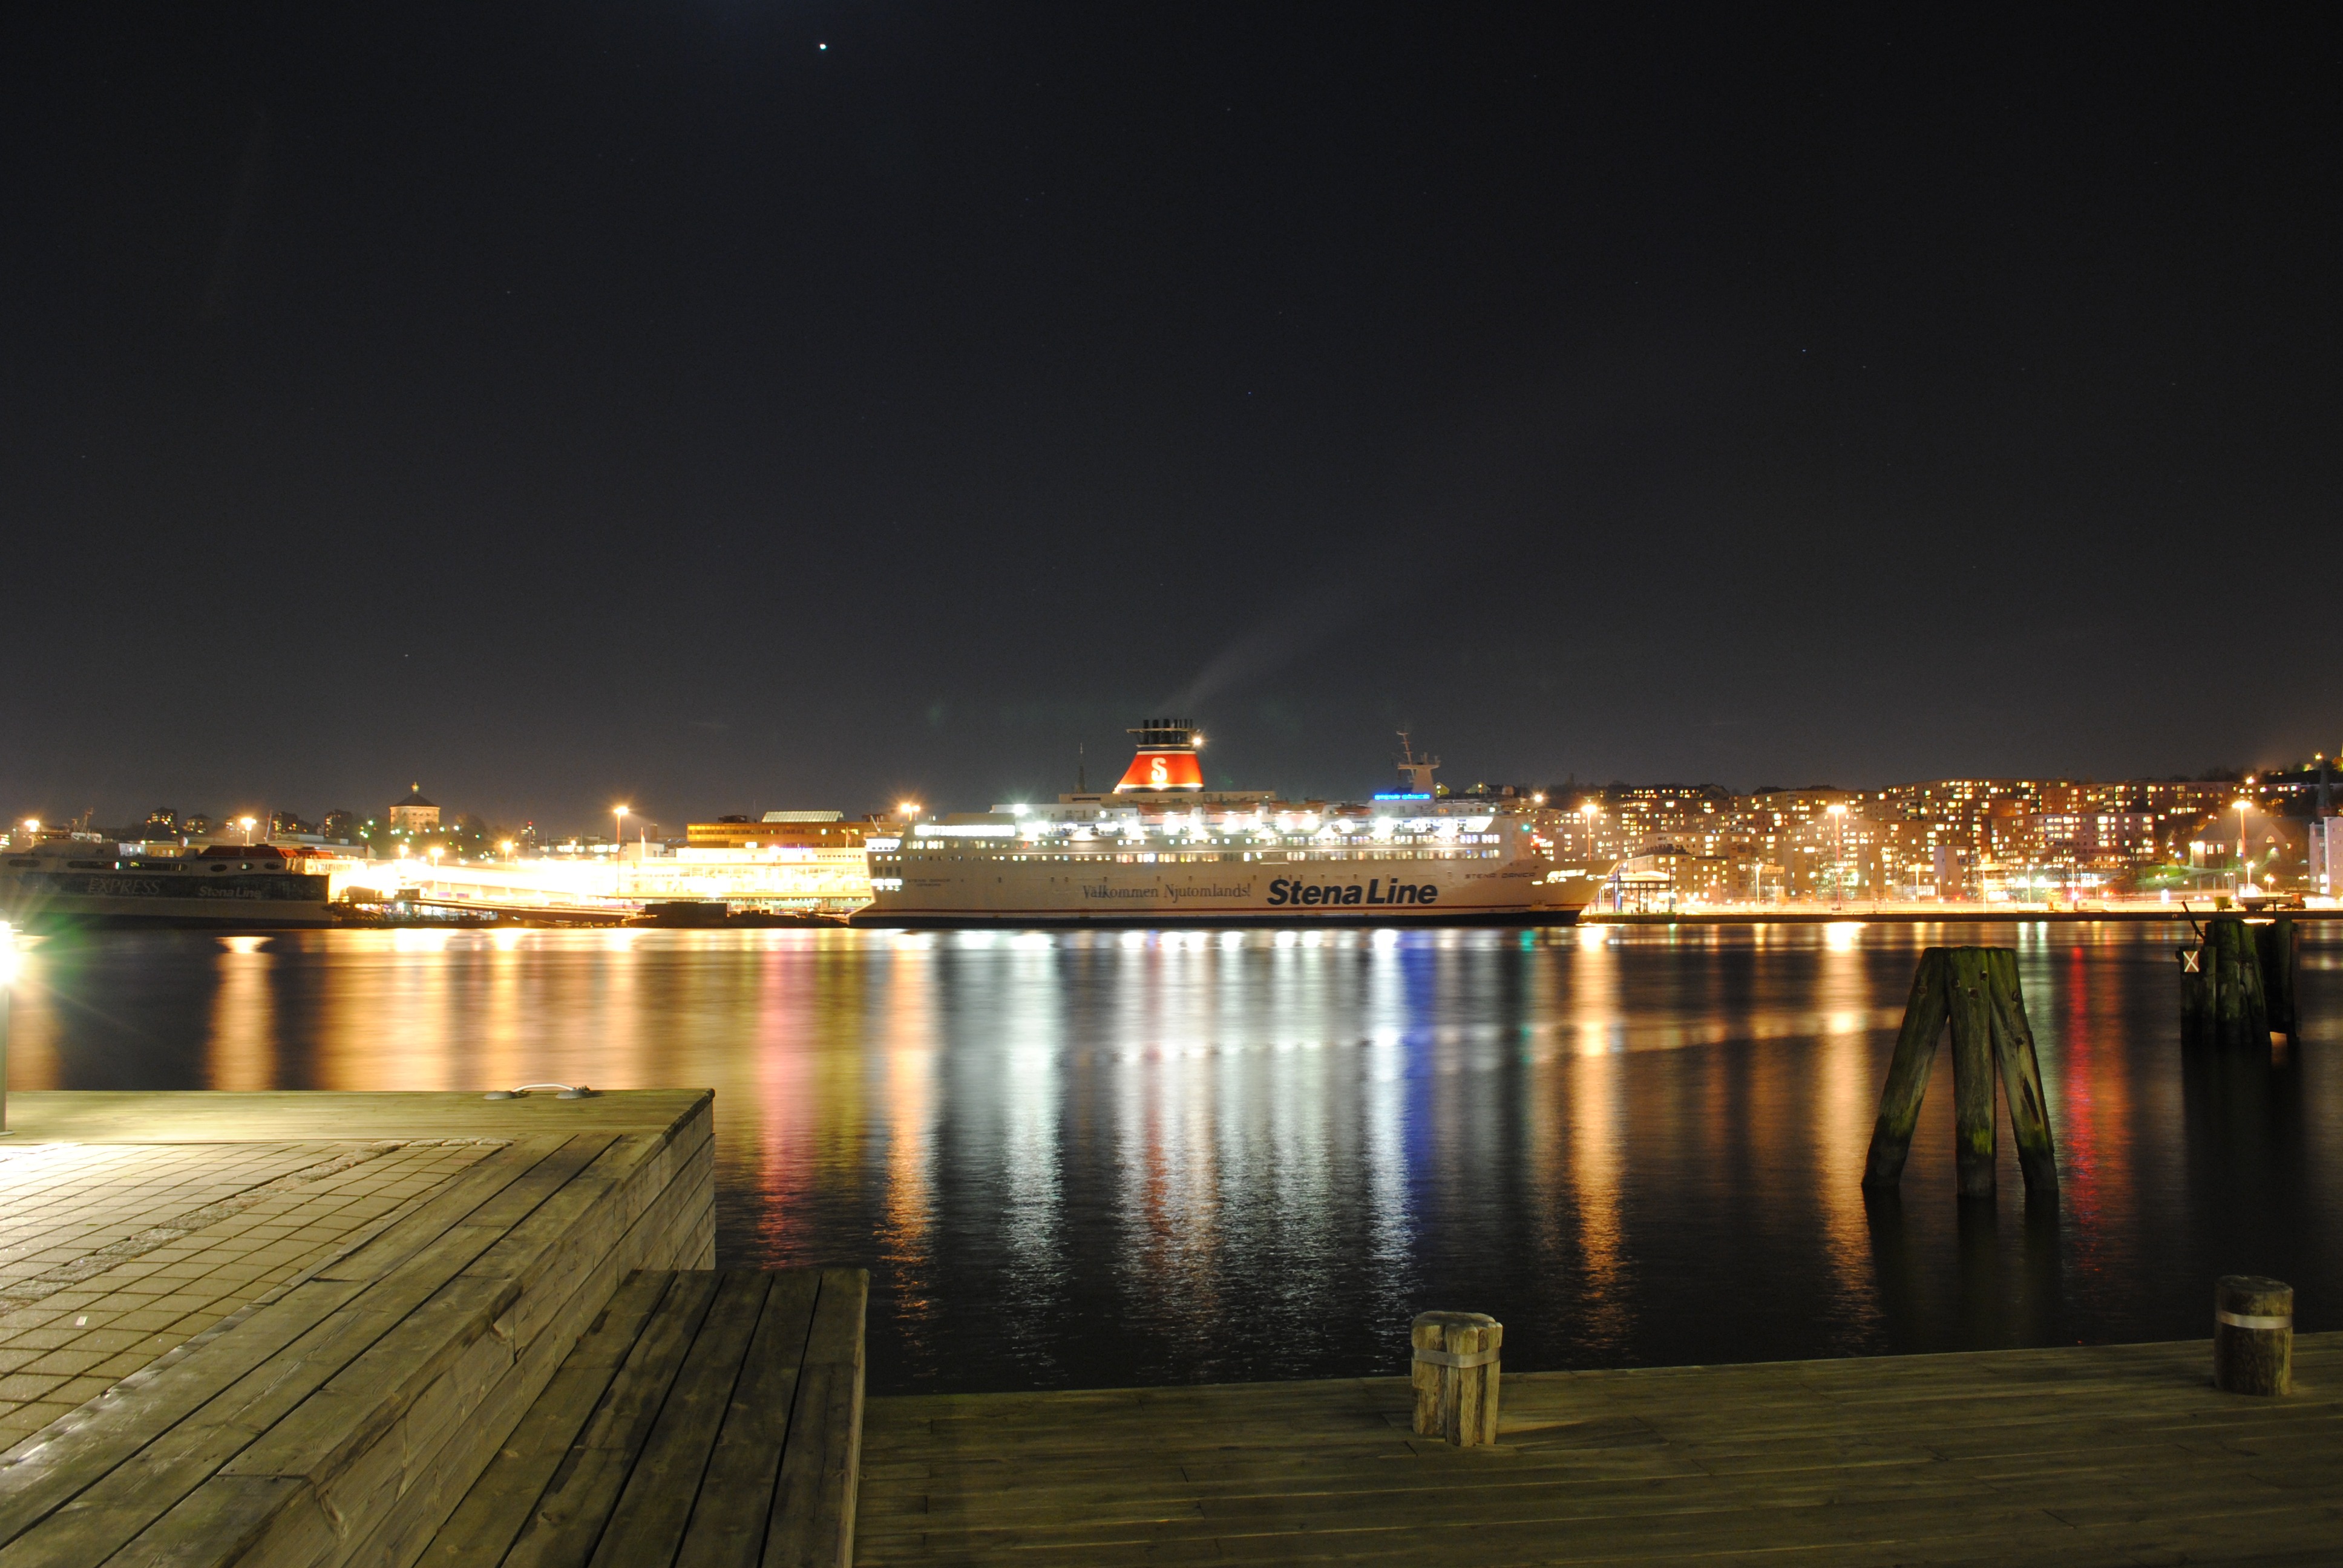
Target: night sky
{"x":723,"y":407}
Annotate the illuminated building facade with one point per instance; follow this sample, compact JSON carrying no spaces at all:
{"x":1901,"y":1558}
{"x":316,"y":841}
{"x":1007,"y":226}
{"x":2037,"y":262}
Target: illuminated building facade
{"x":779,"y":829}
{"x":413,"y":814}
{"x":1990,"y":839}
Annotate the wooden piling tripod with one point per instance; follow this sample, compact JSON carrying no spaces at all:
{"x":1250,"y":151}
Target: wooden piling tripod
{"x":1975,"y":990}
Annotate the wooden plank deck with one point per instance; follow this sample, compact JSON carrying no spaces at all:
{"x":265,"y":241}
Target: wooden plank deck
{"x":2114,"y":1454}
{"x":340,"y":1417}
{"x":223,"y":1116}
{"x":112,"y":1255}
{"x":705,"y":1420}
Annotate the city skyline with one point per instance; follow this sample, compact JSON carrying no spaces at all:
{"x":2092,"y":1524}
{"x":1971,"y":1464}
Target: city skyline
{"x":705,"y":806}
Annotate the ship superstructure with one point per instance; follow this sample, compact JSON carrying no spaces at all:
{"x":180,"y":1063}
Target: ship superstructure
{"x":1161,"y":847}
{"x":84,"y":879}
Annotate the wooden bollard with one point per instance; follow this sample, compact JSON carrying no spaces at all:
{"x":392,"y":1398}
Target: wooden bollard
{"x":2253,"y":1335}
{"x":1455,"y":1376}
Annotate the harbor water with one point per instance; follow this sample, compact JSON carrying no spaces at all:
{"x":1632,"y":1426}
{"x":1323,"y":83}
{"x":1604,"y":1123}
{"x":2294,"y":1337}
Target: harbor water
{"x":1095,"y":1158}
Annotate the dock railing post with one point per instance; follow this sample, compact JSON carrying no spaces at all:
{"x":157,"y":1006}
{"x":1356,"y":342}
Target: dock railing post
{"x":2253,"y":1334}
{"x":1454,"y":1371}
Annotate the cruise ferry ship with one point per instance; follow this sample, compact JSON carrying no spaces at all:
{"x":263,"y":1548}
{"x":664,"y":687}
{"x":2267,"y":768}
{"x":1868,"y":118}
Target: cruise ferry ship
{"x":1161,"y":848}
{"x":86,"y":880}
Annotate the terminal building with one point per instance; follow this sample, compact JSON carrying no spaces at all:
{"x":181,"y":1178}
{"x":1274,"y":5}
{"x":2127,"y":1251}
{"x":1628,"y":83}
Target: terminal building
{"x":779,"y":829}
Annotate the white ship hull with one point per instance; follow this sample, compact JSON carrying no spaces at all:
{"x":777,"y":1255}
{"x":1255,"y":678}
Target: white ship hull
{"x":41,"y":901}
{"x":77,"y":883}
{"x":1006,"y":891}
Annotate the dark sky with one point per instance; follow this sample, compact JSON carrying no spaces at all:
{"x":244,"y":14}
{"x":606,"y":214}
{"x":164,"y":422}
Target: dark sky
{"x":597,"y":402}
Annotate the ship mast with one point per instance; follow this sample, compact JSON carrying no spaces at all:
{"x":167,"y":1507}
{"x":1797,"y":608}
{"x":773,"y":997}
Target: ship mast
{"x":1416,"y":772}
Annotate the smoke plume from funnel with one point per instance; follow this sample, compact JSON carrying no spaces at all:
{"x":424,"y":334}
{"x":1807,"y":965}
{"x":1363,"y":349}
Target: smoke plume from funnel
{"x":1301,"y":623}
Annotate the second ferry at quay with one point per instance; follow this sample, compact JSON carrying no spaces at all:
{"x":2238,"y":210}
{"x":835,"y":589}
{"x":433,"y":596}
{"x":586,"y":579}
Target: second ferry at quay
{"x":1159,"y":849}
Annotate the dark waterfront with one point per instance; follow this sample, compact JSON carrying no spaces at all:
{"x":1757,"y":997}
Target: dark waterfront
{"x":1084,"y":1159}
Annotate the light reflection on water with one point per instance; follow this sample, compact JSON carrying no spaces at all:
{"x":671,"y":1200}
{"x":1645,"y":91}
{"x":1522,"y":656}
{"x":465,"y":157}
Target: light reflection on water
{"x":1135,"y":1157}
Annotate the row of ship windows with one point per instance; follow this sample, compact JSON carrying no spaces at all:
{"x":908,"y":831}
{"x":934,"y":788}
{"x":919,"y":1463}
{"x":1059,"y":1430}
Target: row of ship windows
{"x":1398,"y":839}
{"x":1155,"y":858}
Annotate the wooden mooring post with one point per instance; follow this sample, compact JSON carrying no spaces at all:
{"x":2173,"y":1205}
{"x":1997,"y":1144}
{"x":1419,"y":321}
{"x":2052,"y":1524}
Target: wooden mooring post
{"x":2253,"y":1334}
{"x":1454,"y":1371}
{"x":1975,"y":991}
{"x":2236,"y":985}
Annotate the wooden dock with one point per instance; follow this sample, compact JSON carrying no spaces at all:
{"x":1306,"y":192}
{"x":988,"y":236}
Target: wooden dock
{"x":303,"y":1329}
{"x":707,"y":1420}
{"x":2115,"y":1455}
{"x":318,"y":1315}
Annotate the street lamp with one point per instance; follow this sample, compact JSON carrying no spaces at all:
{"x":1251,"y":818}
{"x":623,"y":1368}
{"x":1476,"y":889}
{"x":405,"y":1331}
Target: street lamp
{"x":246,"y":824}
{"x":617,"y":842}
{"x":7,"y":987}
{"x":2244,"y":884}
{"x":907,"y":810}
{"x":1587,"y":812}
{"x":1838,"y":852}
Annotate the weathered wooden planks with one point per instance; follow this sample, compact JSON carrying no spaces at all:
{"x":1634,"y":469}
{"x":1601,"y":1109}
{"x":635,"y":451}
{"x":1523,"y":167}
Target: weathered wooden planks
{"x":814,"y":1508}
{"x":342,"y":1422}
{"x":186,"y":1115}
{"x":493,"y":1512}
{"x":736,"y":1496}
{"x":2107,"y":1454}
{"x":706,"y":1421}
